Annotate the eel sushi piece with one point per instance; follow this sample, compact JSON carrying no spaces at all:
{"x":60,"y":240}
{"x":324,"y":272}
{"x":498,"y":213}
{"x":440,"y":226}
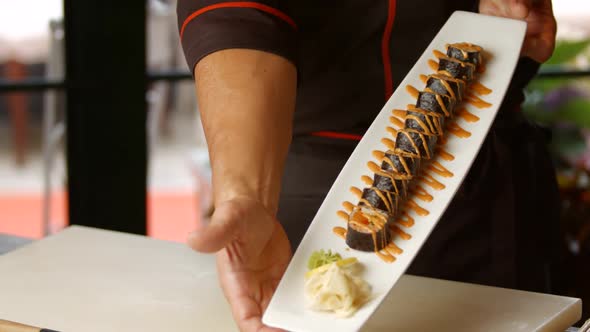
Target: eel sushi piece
{"x":385,"y":201}
{"x":396,"y":163}
{"x":437,"y":103}
{"x":456,"y":68}
{"x":465,"y":52}
{"x":367,"y":229}
{"x":415,"y":144}
{"x":392,"y":182}
{"x":425,"y":122}
{"x":446,"y":85}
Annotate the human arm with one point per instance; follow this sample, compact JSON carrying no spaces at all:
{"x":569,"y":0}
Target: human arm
{"x":246,"y":99}
{"x":245,"y":81}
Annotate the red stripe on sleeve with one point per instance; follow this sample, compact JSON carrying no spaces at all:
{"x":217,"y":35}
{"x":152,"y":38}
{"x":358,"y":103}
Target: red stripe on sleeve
{"x":385,"y":49}
{"x":238,"y":4}
{"x":333,"y":134}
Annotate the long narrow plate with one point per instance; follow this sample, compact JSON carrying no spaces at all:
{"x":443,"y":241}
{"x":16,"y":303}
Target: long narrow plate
{"x":502,"y":39}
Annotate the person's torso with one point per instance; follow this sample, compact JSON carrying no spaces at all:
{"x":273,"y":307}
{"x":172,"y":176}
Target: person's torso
{"x":342,"y":49}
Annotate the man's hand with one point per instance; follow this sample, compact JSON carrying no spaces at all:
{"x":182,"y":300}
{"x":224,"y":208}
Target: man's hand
{"x":540,"y":36}
{"x":246,"y":101}
{"x":254,"y":254}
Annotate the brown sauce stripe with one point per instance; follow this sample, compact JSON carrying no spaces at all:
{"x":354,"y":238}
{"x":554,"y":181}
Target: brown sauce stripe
{"x":476,"y":101}
{"x":422,"y":194}
{"x":411,"y":204}
{"x":396,"y":122}
{"x":340,"y":231}
{"x":445,"y":155}
{"x":348,"y":206}
{"x":480,"y":89}
{"x":464,"y":114}
{"x":431,"y":182}
{"x":342,"y":214}
{"x":356,"y":191}
{"x":405,"y":220}
{"x":439,"y":169}
{"x":412,"y":91}
{"x":367,"y":180}
{"x":399,"y":232}
{"x":433,"y":65}
{"x":456,"y":130}
{"x":388,"y":143}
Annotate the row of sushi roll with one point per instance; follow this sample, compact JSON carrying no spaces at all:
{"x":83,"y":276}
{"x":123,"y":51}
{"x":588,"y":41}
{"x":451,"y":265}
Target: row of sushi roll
{"x":368,"y":226}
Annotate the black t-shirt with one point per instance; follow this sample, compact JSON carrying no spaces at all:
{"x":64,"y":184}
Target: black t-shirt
{"x":349,"y":54}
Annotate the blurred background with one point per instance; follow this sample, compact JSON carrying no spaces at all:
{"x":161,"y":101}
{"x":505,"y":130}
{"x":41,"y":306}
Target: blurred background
{"x":100,"y":58}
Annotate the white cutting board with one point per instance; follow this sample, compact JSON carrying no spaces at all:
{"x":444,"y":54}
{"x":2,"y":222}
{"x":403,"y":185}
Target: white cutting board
{"x":501,"y":39}
{"x":90,"y":280}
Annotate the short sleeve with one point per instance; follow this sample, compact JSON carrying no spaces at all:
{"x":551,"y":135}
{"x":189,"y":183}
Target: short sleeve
{"x":207,"y":26}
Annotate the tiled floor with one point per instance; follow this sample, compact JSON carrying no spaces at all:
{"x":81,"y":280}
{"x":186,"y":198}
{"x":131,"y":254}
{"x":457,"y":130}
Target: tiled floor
{"x":172,"y":200}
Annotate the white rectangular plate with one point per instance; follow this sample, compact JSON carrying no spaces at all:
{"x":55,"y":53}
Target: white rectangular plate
{"x":502,"y":39}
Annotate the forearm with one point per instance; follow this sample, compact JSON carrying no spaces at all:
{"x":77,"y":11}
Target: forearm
{"x":246,"y":100}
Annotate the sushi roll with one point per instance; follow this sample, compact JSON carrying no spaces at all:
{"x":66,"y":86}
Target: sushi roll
{"x":446,"y":85}
{"x":391,"y":182}
{"x":456,"y":68}
{"x":382,"y":200}
{"x":414,"y":144}
{"x":403,"y":165}
{"x":367,"y":230}
{"x":465,"y":52}
{"x":425,"y":122}
{"x":437,"y":103}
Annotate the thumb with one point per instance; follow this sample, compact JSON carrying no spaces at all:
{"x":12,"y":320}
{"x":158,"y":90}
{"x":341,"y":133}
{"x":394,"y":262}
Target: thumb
{"x":516,"y":9}
{"x":214,"y":236}
{"x":519,"y":9}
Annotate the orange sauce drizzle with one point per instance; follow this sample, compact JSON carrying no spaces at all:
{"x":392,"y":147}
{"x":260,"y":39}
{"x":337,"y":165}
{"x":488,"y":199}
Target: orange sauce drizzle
{"x":392,"y":249}
{"x":399,"y":113}
{"x":445,"y":155}
{"x":348,"y":206}
{"x":386,"y":257}
{"x":433,"y":64}
{"x":367,"y":180}
{"x":405,"y":220}
{"x":417,"y":208}
{"x":397,"y":122}
{"x":399,"y":232}
{"x":439,"y":169}
{"x":378,"y":154}
{"x":373,"y":167}
{"x":476,"y":101}
{"x":422,"y":194}
{"x":340,"y":231}
{"x":432,"y":182}
{"x":410,"y":106}
{"x":412,"y":91}
{"x":480,"y":88}
{"x":392,"y":131}
{"x":388,"y":143}
{"x":438,"y":54}
{"x":423,"y":78}
{"x":464,"y":114}
{"x":456,"y":130}
{"x":342,"y":214}
{"x":356,"y":191}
